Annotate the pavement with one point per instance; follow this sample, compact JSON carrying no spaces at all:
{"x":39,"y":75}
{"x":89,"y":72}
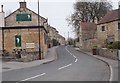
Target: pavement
{"x":13,"y":65}
{"x":113,"y":64}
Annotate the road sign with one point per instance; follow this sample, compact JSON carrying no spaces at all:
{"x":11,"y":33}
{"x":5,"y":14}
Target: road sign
{"x":23,"y":17}
{"x":18,"y":40}
{"x":30,"y":45}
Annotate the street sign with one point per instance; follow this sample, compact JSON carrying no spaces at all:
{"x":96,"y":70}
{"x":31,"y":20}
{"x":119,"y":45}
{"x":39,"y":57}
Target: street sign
{"x":30,"y":45}
{"x":23,"y":17}
{"x":18,"y":40}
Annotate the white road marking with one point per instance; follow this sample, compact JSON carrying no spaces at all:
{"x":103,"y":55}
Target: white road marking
{"x":76,"y":60}
{"x":72,"y":54}
{"x":33,"y":77}
{"x":64,"y":67}
{"x":111,"y":70}
{"x":111,"y":76}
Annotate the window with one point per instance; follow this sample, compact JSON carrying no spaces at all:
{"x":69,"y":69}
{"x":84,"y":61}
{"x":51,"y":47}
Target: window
{"x":118,"y":25}
{"x":103,"y":28}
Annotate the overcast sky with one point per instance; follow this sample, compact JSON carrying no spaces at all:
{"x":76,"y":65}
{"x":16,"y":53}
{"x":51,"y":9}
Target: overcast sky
{"x":55,"y":10}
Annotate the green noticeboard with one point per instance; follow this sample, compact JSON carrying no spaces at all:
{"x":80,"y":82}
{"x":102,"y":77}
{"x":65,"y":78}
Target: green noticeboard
{"x":18,"y":40}
{"x":23,"y":17}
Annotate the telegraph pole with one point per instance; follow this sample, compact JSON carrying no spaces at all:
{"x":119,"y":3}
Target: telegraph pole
{"x":39,"y":33}
{"x":68,"y":37}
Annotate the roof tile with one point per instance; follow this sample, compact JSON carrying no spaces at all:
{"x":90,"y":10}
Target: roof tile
{"x":110,"y":16}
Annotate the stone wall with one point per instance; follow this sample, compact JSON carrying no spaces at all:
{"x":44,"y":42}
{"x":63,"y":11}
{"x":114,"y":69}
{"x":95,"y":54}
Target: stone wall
{"x":27,"y":36}
{"x":0,"y":39}
{"x":89,"y":44}
{"x":118,"y":35}
{"x":111,"y":29}
{"x":2,"y":23}
{"x":11,"y":19}
{"x":108,"y":53}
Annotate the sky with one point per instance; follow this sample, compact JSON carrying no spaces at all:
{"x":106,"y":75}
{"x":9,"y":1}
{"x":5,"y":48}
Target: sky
{"x":55,"y":10}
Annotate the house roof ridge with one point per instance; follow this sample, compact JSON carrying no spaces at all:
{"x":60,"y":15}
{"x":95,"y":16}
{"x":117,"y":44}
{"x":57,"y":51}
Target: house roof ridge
{"x":109,"y":17}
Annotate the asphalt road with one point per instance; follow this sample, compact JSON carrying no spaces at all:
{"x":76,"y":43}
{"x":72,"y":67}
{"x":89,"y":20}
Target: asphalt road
{"x":71,"y":65}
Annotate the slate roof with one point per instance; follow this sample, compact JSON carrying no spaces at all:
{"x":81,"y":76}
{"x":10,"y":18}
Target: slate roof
{"x":111,"y":16}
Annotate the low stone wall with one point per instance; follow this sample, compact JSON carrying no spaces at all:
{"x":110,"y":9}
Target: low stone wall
{"x":87,"y":45}
{"x":108,"y":53}
{"x":26,"y":57}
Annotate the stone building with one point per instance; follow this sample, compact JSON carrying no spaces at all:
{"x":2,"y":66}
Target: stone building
{"x":23,"y":26}
{"x":108,"y":28}
{"x":24,"y":17}
{"x":61,"y":39}
{"x":87,"y":36}
{"x":54,"y":34}
{"x":51,"y":35}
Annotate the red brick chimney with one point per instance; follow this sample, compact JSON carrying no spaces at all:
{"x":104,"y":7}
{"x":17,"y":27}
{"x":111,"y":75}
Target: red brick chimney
{"x":23,"y":4}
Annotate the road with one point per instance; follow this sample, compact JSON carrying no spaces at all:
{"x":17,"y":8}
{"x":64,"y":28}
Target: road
{"x":71,"y":65}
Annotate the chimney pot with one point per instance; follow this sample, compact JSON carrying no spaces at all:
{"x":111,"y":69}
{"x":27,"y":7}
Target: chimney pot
{"x":22,"y":4}
{"x":1,"y":8}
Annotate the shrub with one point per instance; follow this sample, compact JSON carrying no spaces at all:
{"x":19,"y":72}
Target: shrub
{"x":114,"y":45}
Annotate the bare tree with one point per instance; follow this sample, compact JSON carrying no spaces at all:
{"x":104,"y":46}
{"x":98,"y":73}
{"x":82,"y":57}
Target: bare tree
{"x":87,"y":12}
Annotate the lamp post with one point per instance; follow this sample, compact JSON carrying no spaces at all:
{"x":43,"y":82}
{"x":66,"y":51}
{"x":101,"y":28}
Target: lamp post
{"x":39,"y":33}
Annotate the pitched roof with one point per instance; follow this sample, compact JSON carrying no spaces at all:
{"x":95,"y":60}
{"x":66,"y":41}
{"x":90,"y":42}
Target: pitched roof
{"x":88,"y":26}
{"x":110,"y":17}
{"x":26,"y":9}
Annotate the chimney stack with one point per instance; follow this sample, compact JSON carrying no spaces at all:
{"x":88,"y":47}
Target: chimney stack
{"x":1,"y":8}
{"x":23,"y":4}
{"x":2,"y":15}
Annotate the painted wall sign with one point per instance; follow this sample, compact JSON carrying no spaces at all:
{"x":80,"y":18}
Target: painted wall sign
{"x":23,"y":17}
{"x":30,"y":45}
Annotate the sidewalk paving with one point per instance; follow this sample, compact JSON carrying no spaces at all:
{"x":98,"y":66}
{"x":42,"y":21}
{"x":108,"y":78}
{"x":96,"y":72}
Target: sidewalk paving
{"x":51,"y":56}
{"x":113,"y":64}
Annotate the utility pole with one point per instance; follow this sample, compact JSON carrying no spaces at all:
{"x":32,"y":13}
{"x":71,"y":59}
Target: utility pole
{"x":39,"y":33}
{"x":68,"y":37}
